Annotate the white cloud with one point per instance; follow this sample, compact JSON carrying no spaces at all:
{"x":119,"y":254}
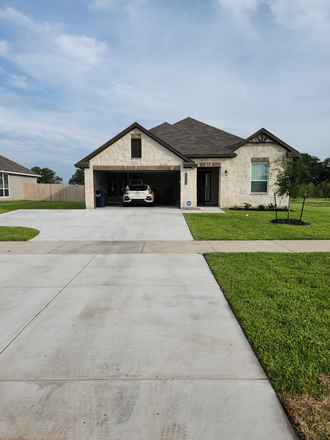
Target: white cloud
{"x":301,"y":14}
{"x":84,"y":50}
{"x":103,"y":4}
{"x":18,"y":81}
{"x":16,"y":16}
{"x":111,"y":4}
{"x":4,"y":47}
{"x":292,"y":14}
{"x":50,"y":55}
{"x":22,"y":20}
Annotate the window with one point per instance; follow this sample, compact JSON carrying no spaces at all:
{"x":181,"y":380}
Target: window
{"x":136,"y":148}
{"x":4,"y":185}
{"x":259,"y":177}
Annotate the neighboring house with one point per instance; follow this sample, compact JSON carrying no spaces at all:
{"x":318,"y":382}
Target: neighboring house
{"x":12,"y":178}
{"x":188,"y":163}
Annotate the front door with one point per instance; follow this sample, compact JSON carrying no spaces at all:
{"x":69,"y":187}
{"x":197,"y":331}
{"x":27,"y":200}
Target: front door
{"x":203,"y":186}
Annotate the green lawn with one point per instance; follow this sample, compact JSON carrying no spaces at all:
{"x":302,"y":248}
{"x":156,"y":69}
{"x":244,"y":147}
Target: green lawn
{"x":282,"y":302}
{"x":17,"y":233}
{"x":30,"y":204}
{"x":255,"y":225}
{"x":317,"y":203}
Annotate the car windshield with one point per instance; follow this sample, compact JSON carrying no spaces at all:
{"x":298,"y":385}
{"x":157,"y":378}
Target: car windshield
{"x":138,"y":187}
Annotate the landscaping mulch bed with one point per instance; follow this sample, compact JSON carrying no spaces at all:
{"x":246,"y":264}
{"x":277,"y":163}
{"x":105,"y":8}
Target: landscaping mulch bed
{"x":291,"y":221}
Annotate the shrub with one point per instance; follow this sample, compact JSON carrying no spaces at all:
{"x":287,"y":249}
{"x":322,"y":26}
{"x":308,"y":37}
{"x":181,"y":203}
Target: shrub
{"x":261,"y":208}
{"x":247,"y":205}
{"x":319,"y":191}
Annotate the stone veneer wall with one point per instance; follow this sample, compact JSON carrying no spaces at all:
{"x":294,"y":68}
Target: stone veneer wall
{"x":189,"y":191}
{"x":235,"y":189}
{"x":119,"y":154}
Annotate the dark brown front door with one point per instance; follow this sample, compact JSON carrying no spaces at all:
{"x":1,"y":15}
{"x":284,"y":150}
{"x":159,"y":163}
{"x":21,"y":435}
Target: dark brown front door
{"x":203,"y":186}
{"x":200,"y":187}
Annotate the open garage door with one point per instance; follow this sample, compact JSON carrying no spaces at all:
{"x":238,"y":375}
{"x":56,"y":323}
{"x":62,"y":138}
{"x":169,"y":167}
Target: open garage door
{"x":164,"y":183}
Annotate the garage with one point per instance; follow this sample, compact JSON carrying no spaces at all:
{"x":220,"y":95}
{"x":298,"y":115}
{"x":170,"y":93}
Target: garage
{"x":165,"y":183}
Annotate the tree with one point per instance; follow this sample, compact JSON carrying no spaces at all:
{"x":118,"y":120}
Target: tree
{"x":47,"y":175}
{"x":289,"y":178}
{"x":77,"y":178}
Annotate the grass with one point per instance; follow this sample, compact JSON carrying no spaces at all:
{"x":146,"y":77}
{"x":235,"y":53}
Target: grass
{"x":17,"y":233}
{"x":236,"y":225}
{"x":30,"y":204}
{"x":317,"y":203}
{"x":282,"y":302}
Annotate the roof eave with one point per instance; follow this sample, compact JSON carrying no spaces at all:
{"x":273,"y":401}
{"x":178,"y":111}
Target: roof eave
{"x":20,"y":174}
{"x":224,"y":155}
{"x":84,"y":163}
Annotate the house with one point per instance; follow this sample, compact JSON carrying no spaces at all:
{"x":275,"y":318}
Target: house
{"x":187,"y":163}
{"x":12,"y":178}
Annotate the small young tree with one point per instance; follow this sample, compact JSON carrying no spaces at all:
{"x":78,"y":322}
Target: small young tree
{"x":77,"y":178}
{"x":289,"y":178}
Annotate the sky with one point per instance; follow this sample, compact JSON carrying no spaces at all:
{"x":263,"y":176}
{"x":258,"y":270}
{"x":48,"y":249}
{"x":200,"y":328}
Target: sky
{"x":75,"y":73}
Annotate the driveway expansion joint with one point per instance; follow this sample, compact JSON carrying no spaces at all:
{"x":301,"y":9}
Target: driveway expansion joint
{"x":88,"y":379}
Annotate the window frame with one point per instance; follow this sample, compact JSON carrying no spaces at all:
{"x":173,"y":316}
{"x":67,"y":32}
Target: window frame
{"x":2,"y":185}
{"x":136,"y":147}
{"x":260,"y":180}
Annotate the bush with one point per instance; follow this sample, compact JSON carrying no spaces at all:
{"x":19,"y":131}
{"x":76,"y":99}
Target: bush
{"x":247,"y":205}
{"x":261,"y":208}
{"x":319,"y":191}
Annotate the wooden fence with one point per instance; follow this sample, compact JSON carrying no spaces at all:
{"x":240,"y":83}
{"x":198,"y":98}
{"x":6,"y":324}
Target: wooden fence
{"x":54,"y":193}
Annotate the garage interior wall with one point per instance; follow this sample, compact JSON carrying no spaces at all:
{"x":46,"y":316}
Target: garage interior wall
{"x":165,"y":184}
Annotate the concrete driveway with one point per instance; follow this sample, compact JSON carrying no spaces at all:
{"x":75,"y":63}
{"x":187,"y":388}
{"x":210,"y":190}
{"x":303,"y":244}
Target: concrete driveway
{"x":103,"y":224}
{"x":126,"y":347}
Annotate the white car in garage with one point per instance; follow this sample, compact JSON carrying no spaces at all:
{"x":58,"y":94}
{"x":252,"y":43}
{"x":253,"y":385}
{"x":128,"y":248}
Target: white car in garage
{"x":138,"y":193}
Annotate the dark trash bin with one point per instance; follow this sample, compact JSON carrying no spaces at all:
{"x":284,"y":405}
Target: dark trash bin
{"x":101,"y":197}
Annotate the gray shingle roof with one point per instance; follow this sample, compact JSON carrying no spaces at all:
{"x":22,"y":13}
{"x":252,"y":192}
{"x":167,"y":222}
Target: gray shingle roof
{"x":194,"y":138}
{"x":188,"y":139}
{"x":12,"y":167}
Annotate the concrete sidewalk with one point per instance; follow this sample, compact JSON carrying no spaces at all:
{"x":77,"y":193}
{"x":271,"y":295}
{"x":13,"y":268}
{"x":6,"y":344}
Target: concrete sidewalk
{"x":161,"y":247}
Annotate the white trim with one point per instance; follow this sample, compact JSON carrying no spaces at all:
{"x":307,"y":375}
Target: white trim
{"x":20,"y":174}
{"x":4,"y":189}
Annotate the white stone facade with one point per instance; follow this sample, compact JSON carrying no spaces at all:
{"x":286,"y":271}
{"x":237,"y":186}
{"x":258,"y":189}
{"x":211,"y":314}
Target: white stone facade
{"x":235,"y":189}
{"x":234,"y":186}
{"x":188,"y":182}
{"x":119,"y":154}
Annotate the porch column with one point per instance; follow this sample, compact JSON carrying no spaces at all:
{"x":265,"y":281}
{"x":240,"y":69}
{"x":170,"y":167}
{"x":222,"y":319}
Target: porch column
{"x":188,"y":185}
{"x":89,"y":188}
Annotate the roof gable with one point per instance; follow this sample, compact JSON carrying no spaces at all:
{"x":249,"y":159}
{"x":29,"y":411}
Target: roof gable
{"x":264,"y":136}
{"x":10,"y":166}
{"x":84,"y":163}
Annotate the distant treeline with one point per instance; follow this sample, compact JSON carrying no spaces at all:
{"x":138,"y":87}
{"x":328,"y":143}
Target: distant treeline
{"x":315,"y":177}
